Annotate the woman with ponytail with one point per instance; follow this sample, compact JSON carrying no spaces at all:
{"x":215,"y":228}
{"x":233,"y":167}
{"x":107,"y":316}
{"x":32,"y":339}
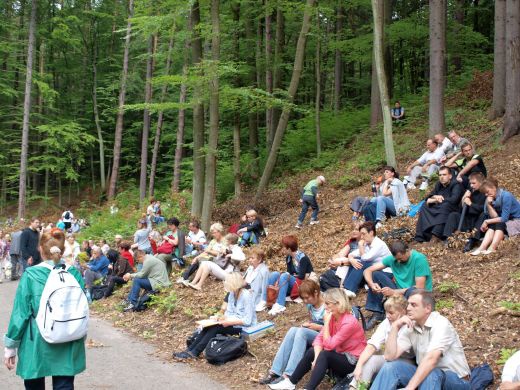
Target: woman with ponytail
{"x":37,"y":358}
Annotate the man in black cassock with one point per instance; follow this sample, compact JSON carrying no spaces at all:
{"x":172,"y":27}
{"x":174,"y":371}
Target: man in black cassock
{"x":444,"y":199}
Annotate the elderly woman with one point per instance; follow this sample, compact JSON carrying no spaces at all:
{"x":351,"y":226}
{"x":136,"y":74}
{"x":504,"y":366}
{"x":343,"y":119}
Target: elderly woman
{"x":336,"y":348}
{"x":256,"y":277}
{"x":240,"y":312}
{"x":97,"y":268}
{"x":72,"y":250}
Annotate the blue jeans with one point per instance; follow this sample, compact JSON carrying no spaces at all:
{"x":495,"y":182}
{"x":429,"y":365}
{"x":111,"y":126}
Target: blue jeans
{"x":375,"y":300}
{"x":285,"y":283}
{"x":248,"y":238}
{"x":395,"y":375}
{"x":137,"y":285}
{"x":384,"y":205}
{"x":292,"y":349}
{"x":355,"y":278}
{"x":309,"y":201}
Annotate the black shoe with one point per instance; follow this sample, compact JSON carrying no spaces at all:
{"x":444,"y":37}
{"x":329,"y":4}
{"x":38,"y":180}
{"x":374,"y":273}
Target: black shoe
{"x":344,"y":383}
{"x":469,"y":245}
{"x":374,"y":320}
{"x":14,"y":277}
{"x":269,"y":378}
{"x":183,"y":355}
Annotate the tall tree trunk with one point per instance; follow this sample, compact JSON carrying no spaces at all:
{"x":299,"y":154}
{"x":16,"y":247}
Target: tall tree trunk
{"x":293,"y":87}
{"x":120,"y":110}
{"x":458,"y":15}
{"x":211,"y":154}
{"x":96,"y":118}
{"x":317,"y":104}
{"x":499,"y":66}
{"x":437,"y":122}
{"x":198,"y":117}
{"x":279,"y":44}
{"x":236,"y":115}
{"x":379,"y":56}
{"x":512,"y":114}
{"x":22,"y":190}
{"x":376,"y":114}
{"x":269,"y":130}
{"x":338,"y":60}
{"x":253,"y":115}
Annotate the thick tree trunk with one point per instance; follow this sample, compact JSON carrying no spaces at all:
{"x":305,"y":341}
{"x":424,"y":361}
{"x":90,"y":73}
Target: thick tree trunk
{"x":198,"y":117}
{"x":211,"y":154}
{"x":338,"y":60}
{"x":376,"y":115}
{"x":512,"y":114}
{"x":236,"y":116}
{"x":96,"y":118}
{"x":293,"y":87}
{"x":437,"y":122}
{"x":269,"y":129}
{"x":22,"y":190}
{"x":317,"y":104}
{"x":120,"y":110}
{"x":499,"y":66}
{"x":253,"y":115}
{"x":379,"y":57}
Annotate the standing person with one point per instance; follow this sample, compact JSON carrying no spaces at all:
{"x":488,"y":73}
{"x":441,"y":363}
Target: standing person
{"x":308,"y":199}
{"x":4,"y":255}
{"x":15,"y":254}
{"x":37,"y":358}
{"x":67,"y":218}
{"x":29,"y":244}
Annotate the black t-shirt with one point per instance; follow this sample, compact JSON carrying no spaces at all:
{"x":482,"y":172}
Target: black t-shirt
{"x":480,"y":167}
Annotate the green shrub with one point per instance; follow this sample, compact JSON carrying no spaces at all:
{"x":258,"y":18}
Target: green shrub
{"x":505,"y":354}
{"x":448,"y":287}
{"x":444,"y":304}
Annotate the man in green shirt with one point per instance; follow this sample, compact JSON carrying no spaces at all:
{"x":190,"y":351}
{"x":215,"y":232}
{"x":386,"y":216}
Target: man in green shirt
{"x":410,"y":270}
{"x":309,"y":199}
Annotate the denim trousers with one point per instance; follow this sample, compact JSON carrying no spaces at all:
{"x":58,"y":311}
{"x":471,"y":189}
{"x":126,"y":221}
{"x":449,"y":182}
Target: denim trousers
{"x":375,"y":300}
{"x":355,"y":278}
{"x":137,"y":285}
{"x":309,"y":201}
{"x":292,"y":349}
{"x":285,"y":283}
{"x":395,"y":375}
{"x":384,"y":205}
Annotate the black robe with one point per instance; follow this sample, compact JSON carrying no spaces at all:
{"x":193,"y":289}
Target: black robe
{"x":432,"y":217}
{"x":471,"y":218}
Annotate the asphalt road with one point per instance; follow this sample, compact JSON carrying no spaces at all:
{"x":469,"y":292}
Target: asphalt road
{"x":121,"y":363}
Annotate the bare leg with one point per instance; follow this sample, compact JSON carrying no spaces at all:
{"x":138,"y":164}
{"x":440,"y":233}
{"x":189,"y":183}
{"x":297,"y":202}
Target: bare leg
{"x":198,"y":274}
{"x":497,"y":238}
{"x":488,"y":239}
{"x":203,"y":275}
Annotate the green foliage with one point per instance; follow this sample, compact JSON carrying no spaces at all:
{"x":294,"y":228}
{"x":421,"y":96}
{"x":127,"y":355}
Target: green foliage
{"x":448,"y":287}
{"x":505,"y":354}
{"x":513,"y":306}
{"x":164,"y":303}
{"x":444,"y":304}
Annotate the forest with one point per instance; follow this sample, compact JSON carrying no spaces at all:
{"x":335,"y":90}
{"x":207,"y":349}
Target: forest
{"x":215,"y":98}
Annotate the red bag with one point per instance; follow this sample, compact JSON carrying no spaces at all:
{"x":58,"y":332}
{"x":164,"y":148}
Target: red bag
{"x":295,"y":293}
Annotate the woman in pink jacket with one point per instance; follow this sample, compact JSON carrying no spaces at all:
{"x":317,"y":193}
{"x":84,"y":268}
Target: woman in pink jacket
{"x":337,"y":347}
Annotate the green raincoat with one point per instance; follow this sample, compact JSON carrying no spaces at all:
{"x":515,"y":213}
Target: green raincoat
{"x":36,"y":357}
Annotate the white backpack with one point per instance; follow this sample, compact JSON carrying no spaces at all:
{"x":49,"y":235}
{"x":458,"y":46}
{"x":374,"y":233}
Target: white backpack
{"x":63,"y":313}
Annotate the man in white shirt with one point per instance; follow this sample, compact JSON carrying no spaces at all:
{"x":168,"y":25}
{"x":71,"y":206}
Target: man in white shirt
{"x":67,"y":217}
{"x":425,"y":166}
{"x":439,"y":354}
{"x":196,"y":239}
{"x":444,"y":143}
{"x":511,"y":373}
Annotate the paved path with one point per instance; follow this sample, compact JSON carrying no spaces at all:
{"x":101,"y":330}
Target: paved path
{"x":122,"y":363}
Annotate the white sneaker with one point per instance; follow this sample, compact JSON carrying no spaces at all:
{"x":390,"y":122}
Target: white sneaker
{"x":424,"y":186}
{"x":406,"y":180}
{"x":315,"y":222}
{"x":262,"y":305}
{"x":350,"y":294}
{"x":298,"y":300}
{"x":379,"y":225}
{"x":180,"y":280}
{"x":276,"y":309}
{"x":288,"y":298}
{"x":298,"y":226}
{"x":284,"y":384}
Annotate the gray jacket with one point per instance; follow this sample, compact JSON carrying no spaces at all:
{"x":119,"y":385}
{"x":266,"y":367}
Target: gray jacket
{"x":15,"y":243}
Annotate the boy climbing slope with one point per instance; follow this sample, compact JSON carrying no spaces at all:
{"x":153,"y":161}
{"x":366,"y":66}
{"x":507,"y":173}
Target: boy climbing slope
{"x":309,"y":199}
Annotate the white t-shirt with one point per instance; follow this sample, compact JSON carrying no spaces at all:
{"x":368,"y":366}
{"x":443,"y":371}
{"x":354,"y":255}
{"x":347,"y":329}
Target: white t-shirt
{"x":511,"y":372}
{"x":69,"y":219}
{"x":436,"y":155}
{"x":199,"y":237}
{"x":446,"y":145}
{"x":376,"y":251}
{"x":380,"y":336}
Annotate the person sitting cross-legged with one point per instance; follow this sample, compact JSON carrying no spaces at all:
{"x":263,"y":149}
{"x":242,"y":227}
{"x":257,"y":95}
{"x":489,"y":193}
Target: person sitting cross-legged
{"x":425,"y":166}
{"x":410,"y":270}
{"x":397,"y":112}
{"x":438,"y":351}
{"x":511,"y":373}
{"x":393,"y":199}
{"x":153,"y":276}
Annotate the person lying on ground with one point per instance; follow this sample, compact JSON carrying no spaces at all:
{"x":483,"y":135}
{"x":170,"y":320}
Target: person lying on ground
{"x":502,"y":216}
{"x":216,"y":247}
{"x":240,"y":313}
{"x":466,"y":162}
{"x":299,"y":268}
{"x":392,"y":199}
{"x":96,"y":269}
{"x":309,"y":198}
{"x":141,"y":241}
{"x":220,"y":266}
{"x":152,"y":277}
{"x":438,"y":351}
{"x":511,"y":373}
{"x":457,"y":141}
{"x":118,"y":268}
{"x":257,"y":277}
{"x":410,"y":270}
{"x":335,"y":349}
{"x":425,"y":166}
{"x":298,"y":338}
{"x":251,"y":231}
{"x":397,"y":112}
{"x":444,"y":144}
{"x":195,"y":240}
{"x":124,"y":250}
{"x":335,"y":276}
{"x":369,"y":362}
{"x":473,"y":201}
{"x":444,"y":199}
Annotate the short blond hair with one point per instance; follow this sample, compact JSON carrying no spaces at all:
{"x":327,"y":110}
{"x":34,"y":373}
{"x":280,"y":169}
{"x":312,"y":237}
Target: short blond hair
{"x":339,"y":297}
{"x":251,"y":213}
{"x":217,"y":226}
{"x":234,"y":282}
{"x":397,"y":302}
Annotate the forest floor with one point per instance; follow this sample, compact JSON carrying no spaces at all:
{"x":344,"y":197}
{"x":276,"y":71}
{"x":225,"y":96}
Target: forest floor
{"x":471,"y":292}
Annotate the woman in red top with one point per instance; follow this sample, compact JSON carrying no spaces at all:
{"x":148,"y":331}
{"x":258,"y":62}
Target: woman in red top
{"x":337,"y":347}
{"x":124,"y":250}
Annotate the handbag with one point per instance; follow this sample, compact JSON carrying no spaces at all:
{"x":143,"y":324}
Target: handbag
{"x":272,"y":292}
{"x":295,"y":291}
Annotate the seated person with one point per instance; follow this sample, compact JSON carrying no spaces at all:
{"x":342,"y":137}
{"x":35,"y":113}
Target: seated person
{"x":511,"y":373}
{"x":216,"y":247}
{"x":392,"y":199}
{"x":425,"y":166}
{"x":240,"y":312}
{"x":104,"y":246}
{"x":256,"y":277}
{"x":152,"y":277}
{"x":298,"y":338}
{"x":336,"y":348}
{"x":220,"y":266}
{"x":141,"y":241}
{"x":502,"y":216}
{"x":97,"y":268}
{"x":195,"y":240}
{"x":369,"y":362}
{"x":410,"y":270}
{"x":444,"y":199}
{"x":250,"y":231}
{"x":124,"y":250}
{"x":172,"y":247}
{"x":397,"y":112}
{"x":439,"y":354}
{"x":444,"y":143}
{"x":466,"y":162}
{"x":457,"y":141}
{"x":299,"y":267}
{"x":335,"y":276}
{"x":118,"y":267}
{"x":473,"y":200}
